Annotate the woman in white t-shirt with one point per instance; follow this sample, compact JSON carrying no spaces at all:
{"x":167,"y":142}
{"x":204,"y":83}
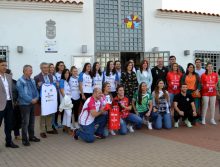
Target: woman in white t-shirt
{"x":111,"y":76}
{"x":65,"y":90}
{"x":144,"y":74}
{"x":75,"y":94}
{"x":97,"y":75}
{"x":85,"y":82}
{"x":59,"y":69}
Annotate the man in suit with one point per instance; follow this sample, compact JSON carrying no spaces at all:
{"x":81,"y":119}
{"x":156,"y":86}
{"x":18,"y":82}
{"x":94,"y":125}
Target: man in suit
{"x":6,"y":103}
{"x":40,"y":79}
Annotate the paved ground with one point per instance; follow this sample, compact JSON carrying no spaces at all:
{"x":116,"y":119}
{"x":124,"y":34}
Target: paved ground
{"x":199,"y":146}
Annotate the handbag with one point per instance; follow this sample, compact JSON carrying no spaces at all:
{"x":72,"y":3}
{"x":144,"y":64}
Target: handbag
{"x":196,"y":95}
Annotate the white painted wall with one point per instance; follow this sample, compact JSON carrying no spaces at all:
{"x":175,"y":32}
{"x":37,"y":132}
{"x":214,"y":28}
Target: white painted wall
{"x":176,"y":35}
{"x":27,"y":28}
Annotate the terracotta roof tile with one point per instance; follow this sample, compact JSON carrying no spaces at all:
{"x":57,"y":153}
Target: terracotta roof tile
{"x":189,"y":12}
{"x":54,"y":1}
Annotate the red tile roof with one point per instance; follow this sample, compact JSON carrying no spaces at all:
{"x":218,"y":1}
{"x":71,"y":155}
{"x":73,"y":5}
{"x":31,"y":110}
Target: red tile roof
{"x":54,"y":1}
{"x":189,"y":12}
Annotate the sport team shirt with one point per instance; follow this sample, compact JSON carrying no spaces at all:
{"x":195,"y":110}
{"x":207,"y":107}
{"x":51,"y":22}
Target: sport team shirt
{"x":173,"y":81}
{"x":85,"y":117}
{"x":106,"y":99}
{"x":74,"y":86}
{"x":111,"y":79}
{"x":65,"y":85}
{"x":144,"y":106}
{"x":58,"y":76}
{"x":97,"y":81}
{"x":125,"y":102}
{"x":48,"y":99}
{"x":86,"y":82}
{"x":209,"y":82}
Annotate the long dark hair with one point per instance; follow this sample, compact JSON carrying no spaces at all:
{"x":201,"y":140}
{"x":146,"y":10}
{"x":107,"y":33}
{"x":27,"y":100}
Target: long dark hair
{"x":94,"y":69}
{"x":57,"y":65}
{"x":108,"y":69}
{"x":156,"y":92}
{"x":206,"y":71}
{"x":141,"y":65}
{"x":140,"y":93}
{"x":187,"y":71}
{"x":63,"y":75}
{"x":84,"y":69}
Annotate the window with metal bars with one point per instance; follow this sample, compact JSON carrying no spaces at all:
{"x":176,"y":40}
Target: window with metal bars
{"x":209,"y":56}
{"x":153,"y":56}
{"x":4,"y":53}
{"x":103,"y":58}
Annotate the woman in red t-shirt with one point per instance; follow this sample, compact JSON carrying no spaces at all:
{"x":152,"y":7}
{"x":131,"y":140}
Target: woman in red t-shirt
{"x":173,"y":81}
{"x":209,"y":83}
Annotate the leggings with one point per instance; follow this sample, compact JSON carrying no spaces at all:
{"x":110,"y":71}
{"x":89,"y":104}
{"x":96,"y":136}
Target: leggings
{"x":205,"y":105}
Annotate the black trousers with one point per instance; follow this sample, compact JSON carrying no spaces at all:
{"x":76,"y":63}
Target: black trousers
{"x":187,"y":115}
{"x":75,"y":109}
{"x":7,"y":115}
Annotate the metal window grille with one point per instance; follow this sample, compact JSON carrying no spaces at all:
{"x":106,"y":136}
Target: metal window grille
{"x":103,"y":58}
{"x":153,"y":56}
{"x":4,"y":52}
{"x":110,"y":29}
{"x":209,"y":56}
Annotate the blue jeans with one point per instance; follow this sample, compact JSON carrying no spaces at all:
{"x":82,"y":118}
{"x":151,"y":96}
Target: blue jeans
{"x":86,"y":132}
{"x":171,"y":98}
{"x":162,"y":120}
{"x":132,"y":118}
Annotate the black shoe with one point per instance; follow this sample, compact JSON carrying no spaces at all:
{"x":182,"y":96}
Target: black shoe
{"x":34,"y":139}
{"x":98,"y":136}
{"x":11,"y":145}
{"x":74,"y":134}
{"x":26,"y":143}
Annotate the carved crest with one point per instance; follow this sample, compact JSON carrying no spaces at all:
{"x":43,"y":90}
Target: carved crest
{"x":51,"y":29}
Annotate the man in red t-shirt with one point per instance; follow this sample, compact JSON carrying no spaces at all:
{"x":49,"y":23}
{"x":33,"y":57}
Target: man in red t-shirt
{"x":125,"y":107}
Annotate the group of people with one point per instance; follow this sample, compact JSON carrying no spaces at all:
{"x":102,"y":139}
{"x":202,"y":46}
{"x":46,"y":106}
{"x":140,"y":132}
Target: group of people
{"x":144,"y":96}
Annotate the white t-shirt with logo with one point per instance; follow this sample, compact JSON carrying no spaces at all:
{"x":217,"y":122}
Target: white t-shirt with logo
{"x":74,"y":86}
{"x":58,"y":76}
{"x":86,"y":82}
{"x":85,"y":117}
{"x":97,"y":81}
{"x":48,"y":99}
{"x":112,"y":79}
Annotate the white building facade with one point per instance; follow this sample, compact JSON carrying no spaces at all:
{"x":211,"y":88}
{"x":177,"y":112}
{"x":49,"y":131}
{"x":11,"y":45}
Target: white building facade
{"x":79,"y":31}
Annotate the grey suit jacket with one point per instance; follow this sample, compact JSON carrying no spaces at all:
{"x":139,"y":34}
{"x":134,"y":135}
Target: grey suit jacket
{"x":3,"y":96}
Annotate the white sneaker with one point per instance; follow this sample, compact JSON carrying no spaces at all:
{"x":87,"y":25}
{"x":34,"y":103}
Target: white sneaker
{"x":130,"y":128}
{"x":112,"y":132}
{"x":149,"y":125}
{"x":203,"y":122}
{"x":176,"y":124}
{"x":213,"y":122}
{"x":188,"y":123}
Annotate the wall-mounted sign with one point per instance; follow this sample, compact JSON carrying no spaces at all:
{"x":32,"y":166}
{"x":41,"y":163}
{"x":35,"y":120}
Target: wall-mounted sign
{"x":132,"y":21}
{"x":50,"y":46}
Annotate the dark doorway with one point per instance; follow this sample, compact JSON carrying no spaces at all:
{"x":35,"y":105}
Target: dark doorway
{"x":126,"y":56}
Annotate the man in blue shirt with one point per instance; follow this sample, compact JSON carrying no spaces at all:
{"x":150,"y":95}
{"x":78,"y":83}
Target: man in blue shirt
{"x":27,"y":98}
